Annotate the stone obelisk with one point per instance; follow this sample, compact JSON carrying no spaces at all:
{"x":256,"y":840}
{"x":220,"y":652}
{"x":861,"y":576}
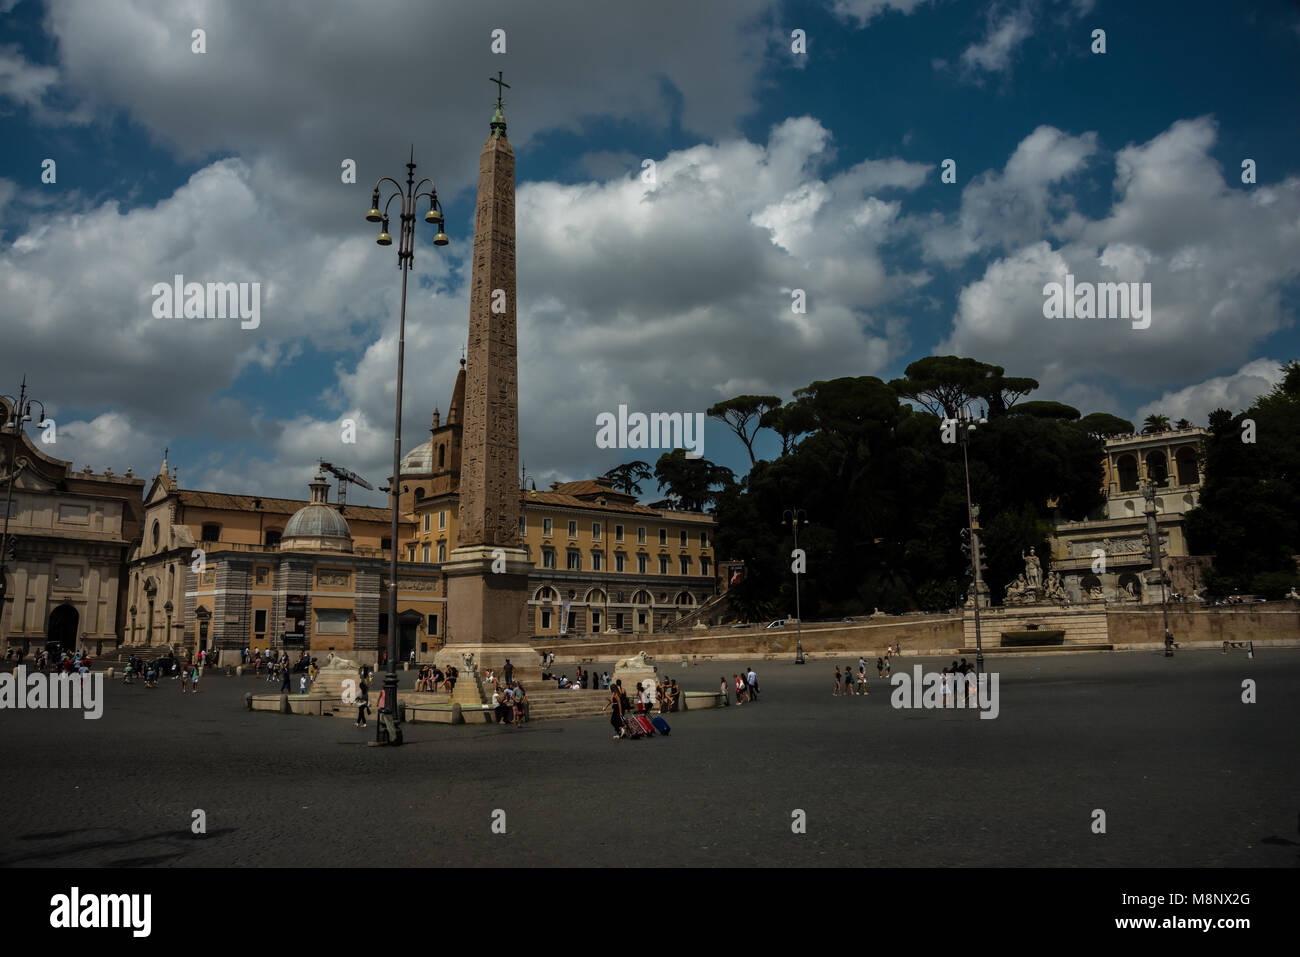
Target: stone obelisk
{"x":487,"y":573}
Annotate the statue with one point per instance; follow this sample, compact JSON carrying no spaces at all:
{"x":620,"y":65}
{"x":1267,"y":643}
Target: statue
{"x":1293,"y":593}
{"x":1128,"y":590}
{"x":1095,"y":594}
{"x":640,"y":661}
{"x":337,"y":663}
{"x":1056,"y":588}
{"x":1033,"y":570}
{"x":1015,"y":592}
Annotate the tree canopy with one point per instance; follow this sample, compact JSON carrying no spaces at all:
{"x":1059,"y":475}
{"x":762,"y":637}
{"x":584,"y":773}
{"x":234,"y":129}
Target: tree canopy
{"x":946,"y":384}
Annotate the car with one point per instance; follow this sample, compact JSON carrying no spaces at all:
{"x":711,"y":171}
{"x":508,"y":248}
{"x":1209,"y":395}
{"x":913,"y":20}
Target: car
{"x":782,"y":622}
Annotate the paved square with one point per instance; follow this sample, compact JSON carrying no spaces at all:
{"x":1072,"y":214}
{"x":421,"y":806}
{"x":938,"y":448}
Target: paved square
{"x":1187,"y":774}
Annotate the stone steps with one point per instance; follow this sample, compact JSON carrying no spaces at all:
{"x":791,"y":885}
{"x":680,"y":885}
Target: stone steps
{"x":1065,"y":649}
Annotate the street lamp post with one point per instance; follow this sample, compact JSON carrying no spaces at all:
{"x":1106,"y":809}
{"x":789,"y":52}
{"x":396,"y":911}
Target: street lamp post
{"x":966,"y":423}
{"x":1157,"y":564}
{"x":791,"y":516}
{"x":407,"y":200}
{"x":20,"y":412}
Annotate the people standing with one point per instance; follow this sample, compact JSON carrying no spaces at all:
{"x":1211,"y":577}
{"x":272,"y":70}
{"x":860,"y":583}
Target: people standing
{"x":723,"y":688}
{"x":363,"y":703}
{"x":509,"y":672}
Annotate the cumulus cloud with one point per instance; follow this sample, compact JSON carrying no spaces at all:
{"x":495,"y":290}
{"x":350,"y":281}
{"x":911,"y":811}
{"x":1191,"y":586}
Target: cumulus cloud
{"x":1232,"y":392}
{"x":862,"y":12}
{"x":1218,"y":258}
{"x":1006,"y":31}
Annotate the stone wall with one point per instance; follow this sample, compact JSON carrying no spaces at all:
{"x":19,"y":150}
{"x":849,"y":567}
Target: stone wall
{"x":1262,"y":621}
{"x":916,"y":634}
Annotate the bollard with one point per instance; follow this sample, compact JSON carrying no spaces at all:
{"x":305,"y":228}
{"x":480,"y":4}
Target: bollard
{"x":109,"y":674}
{"x":284,"y":704}
{"x":456,"y":716}
{"x":239,"y":670}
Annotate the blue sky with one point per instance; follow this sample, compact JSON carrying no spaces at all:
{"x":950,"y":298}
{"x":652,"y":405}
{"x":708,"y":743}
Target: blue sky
{"x":774,"y":171}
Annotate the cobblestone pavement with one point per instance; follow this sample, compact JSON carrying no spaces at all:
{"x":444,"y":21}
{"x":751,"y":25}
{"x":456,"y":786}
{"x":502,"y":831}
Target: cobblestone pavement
{"x":1186,"y":773}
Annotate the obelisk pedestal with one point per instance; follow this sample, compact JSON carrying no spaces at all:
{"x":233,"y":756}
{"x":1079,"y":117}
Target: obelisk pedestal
{"x":487,"y":611}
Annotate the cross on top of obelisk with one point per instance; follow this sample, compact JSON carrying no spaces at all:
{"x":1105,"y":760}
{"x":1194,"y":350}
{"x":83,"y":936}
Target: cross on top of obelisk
{"x":500,"y":83}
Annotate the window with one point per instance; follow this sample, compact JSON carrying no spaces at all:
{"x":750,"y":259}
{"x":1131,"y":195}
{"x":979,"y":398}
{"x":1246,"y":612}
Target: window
{"x":663,"y":564}
{"x":262,"y":575}
{"x":595,"y":561}
{"x":546,"y":622}
{"x":641,"y":563}
{"x":259,"y":622}
{"x":211,"y":532}
{"x":618,"y":562}
{"x":682,"y":538}
{"x":523,"y":525}
{"x":548,"y":558}
{"x":685,"y":563}
{"x":432,"y":628}
{"x":573,"y":529}
{"x":332,"y":621}
{"x":618,"y":533}
{"x":595,"y":531}
{"x":442,"y":519}
{"x":442,"y":551}
{"x":427,"y":519}
{"x":419,"y":494}
{"x":273,"y":537}
{"x":704,"y":566}
{"x":640,"y":618}
{"x":410,"y":553}
{"x":663,"y":536}
{"x":426,"y":554}
{"x":640,"y":536}
{"x":155,"y":533}
{"x":618,"y":620}
{"x":546,"y":527}
{"x":442,"y":462}
{"x":595,"y":621}
{"x":385,"y":543}
{"x":75,"y":514}
{"x":574,"y":563}
{"x":704,"y":539}
{"x":573,"y":621}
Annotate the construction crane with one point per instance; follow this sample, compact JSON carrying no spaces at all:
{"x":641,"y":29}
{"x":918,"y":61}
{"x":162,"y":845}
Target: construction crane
{"x":345,"y":476}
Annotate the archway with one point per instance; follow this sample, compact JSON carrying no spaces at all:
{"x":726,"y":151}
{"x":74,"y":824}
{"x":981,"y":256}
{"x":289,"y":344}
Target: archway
{"x":1127,"y":467}
{"x":408,"y":626}
{"x":1185,"y":459}
{"x":62,"y":631}
{"x":1158,"y":468}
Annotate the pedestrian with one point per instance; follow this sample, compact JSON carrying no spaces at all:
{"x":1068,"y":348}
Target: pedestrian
{"x":837,"y":681}
{"x":740,"y":688}
{"x":862,"y":682}
{"x":862,"y":663}
{"x":723,"y":689}
{"x":880,"y":667}
{"x":363,"y":703}
{"x":751,"y":680}
{"x":284,"y":681}
{"x":945,"y":685}
{"x":185,"y":681}
{"x":615,"y":707}
{"x":886,"y":664}
{"x":194,"y":679}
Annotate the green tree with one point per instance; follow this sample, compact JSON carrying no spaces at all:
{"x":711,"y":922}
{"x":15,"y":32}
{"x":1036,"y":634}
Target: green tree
{"x":1047,"y":410}
{"x":743,"y":414}
{"x":1155,"y":423}
{"x":946,"y":384}
{"x":1105,"y":425}
{"x":690,"y":482}
{"x":629,"y":476}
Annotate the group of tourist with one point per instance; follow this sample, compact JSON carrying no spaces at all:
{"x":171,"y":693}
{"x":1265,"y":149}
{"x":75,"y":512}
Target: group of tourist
{"x":582,"y":680}
{"x":950,"y":683}
{"x":745,"y":686}
{"x":846,"y":682}
{"x":509,"y":703}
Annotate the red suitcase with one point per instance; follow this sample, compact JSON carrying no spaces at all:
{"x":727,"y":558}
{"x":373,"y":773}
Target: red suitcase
{"x":646,"y":727}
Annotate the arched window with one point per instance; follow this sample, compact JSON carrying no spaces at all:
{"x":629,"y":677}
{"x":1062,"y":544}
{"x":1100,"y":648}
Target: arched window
{"x":1127,"y":467}
{"x":419,"y":494}
{"x":1158,"y":468}
{"x":545,"y":593}
{"x":273,"y":537}
{"x":641,"y":598}
{"x":1185,"y":458}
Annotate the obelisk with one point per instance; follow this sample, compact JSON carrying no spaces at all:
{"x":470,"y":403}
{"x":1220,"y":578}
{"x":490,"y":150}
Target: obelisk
{"x":487,"y":573}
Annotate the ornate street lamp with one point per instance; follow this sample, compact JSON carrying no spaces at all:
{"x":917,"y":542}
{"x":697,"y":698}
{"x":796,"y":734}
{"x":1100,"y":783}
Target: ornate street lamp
{"x":407,"y":200}
{"x":966,"y":423}
{"x":791,"y":517}
{"x":1157,"y":565}
{"x":20,"y":413}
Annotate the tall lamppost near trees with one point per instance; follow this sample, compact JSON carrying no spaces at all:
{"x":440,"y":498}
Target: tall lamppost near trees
{"x":20,"y":413}
{"x":1157,"y":565}
{"x":791,"y":517}
{"x":966,"y":423}
{"x":407,"y":200}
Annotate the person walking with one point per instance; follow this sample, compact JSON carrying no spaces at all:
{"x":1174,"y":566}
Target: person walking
{"x":615,"y":707}
{"x":284,"y":680}
{"x":185,"y":680}
{"x":751,"y":680}
{"x":363,"y":703}
{"x":194,"y":679}
{"x":880,"y":667}
{"x":723,"y":688}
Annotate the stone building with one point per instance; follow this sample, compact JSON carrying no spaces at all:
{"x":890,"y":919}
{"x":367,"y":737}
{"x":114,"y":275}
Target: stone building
{"x":1118,"y":529}
{"x":222,"y":572}
{"x":69,"y":535}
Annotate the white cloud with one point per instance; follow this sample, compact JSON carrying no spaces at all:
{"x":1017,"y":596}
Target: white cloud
{"x":1232,"y":392}
{"x":864,"y":11}
{"x":1217,"y":256}
{"x":1005,"y":33}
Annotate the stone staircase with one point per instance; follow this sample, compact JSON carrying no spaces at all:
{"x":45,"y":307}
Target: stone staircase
{"x":551,"y":704}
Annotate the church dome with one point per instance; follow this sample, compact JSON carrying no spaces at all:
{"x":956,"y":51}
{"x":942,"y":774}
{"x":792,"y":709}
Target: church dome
{"x":314,"y":521}
{"x":419,"y":460}
{"x":317,"y":525}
